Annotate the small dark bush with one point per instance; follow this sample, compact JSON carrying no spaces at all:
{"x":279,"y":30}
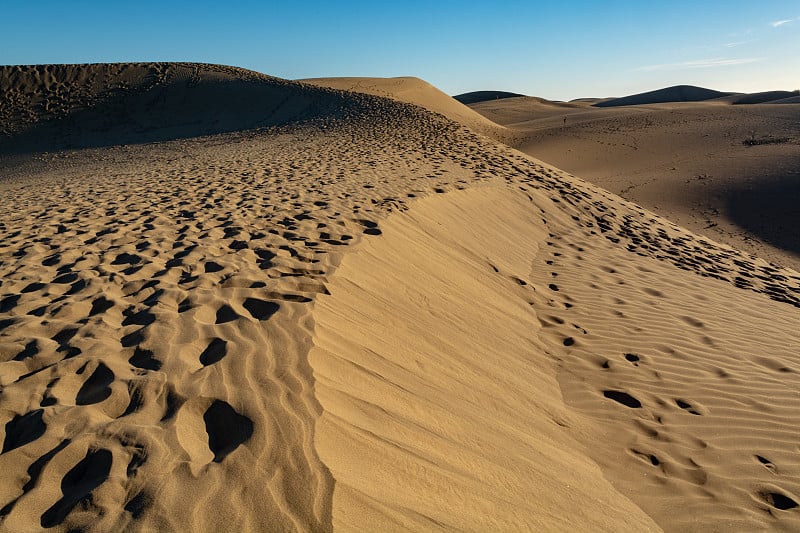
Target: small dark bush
{"x":752,"y":141}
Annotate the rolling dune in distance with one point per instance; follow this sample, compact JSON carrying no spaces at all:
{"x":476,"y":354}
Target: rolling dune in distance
{"x":726,"y":171}
{"x":677,"y":93}
{"x":265,"y":305}
{"x":482,"y":96}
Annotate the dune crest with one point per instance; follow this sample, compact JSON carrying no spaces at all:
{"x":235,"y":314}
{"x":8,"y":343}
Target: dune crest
{"x":418,"y":92}
{"x":438,"y":405}
{"x":664,"y":380}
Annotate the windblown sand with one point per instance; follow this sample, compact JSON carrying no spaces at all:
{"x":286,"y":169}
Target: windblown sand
{"x":374,"y":319}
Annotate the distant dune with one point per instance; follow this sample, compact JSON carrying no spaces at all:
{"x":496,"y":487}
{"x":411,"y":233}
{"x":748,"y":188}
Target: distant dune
{"x":689,"y":93}
{"x":589,"y":100}
{"x":370,"y":317}
{"x":791,"y":100}
{"x":414,"y":91}
{"x":481,"y":96}
{"x":678,"y":93}
{"x":766,"y":97}
{"x":515,"y":112}
{"x":688,"y":161}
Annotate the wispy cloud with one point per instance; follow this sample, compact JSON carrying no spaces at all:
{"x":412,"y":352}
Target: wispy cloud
{"x":778,"y":23}
{"x":738,"y":43}
{"x":700,"y":63}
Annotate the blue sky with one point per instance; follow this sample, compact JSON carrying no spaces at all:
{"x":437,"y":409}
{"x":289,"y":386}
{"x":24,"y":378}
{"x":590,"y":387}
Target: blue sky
{"x":558,"y":50}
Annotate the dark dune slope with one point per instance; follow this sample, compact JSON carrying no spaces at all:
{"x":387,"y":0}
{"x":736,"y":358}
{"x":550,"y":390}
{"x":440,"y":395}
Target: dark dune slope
{"x":52,"y":107}
{"x":678,"y":93}
{"x":482,"y":96}
{"x":765,"y":97}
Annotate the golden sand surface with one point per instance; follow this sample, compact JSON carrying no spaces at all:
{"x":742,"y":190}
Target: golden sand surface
{"x":365,"y":317}
{"x":731,"y":172}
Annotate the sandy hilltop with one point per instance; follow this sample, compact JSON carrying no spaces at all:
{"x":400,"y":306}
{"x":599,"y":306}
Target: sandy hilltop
{"x":231,"y":302}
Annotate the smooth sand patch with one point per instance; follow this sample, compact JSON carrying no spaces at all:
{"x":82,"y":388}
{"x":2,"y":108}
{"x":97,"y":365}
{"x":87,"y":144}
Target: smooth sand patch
{"x":441,"y":409}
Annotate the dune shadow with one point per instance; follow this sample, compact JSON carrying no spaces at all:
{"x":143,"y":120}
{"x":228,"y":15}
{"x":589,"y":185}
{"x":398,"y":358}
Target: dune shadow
{"x":178,"y":109}
{"x":769,"y":210}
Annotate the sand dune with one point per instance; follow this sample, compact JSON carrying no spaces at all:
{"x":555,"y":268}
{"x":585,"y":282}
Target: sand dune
{"x":414,"y":91}
{"x":465,"y":399}
{"x":690,"y":93}
{"x":790,"y":100}
{"x":377,"y":320}
{"x":515,"y":113}
{"x":54,"y":107}
{"x":669,"y":401}
{"x":730,"y":172}
{"x":481,"y":96}
{"x":677,"y":93}
{"x":765,"y":97}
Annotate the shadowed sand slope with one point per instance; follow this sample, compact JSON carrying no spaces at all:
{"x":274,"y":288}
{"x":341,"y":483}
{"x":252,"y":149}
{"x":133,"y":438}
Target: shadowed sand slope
{"x":730,"y":172}
{"x":764,"y":97}
{"x":378,"y":318}
{"x":790,"y":100}
{"x":418,"y":92}
{"x":51,"y":107}
{"x":678,"y":93}
{"x":482,"y":96}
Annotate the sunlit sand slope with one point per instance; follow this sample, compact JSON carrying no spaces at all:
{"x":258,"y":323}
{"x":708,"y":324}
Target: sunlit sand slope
{"x":418,"y":92}
{"x":440,"y":408}
{"x":731,"y":172}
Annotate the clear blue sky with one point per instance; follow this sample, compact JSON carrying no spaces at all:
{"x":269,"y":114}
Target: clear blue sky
{"x":558,"y":50}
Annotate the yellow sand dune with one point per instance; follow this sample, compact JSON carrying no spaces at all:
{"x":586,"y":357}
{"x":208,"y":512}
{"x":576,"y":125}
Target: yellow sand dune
{"x":438,"y":407}
{"x":414,"y":91}
{"x":366,"y":316}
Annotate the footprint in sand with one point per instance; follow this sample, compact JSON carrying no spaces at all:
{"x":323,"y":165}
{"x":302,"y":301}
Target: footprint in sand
{"x":138,"y":504}
{"x":769,"y":465}
{"x":226,"y":314}
{"x":214,"y":352}
{"x":622,"y":397}
{"x":648,"y":457}
{"x":78,"y":484}
{"x":23,"y":429}
{"x":226,"y":429}
{"x":633,"y":358}
{"x":100,"y":305}
{"x":96,"y":388}
{"x":778,"y":500}
{"x":31,"y":349}
{"x":260,"y":309}
{"x":144,"y":359}
{"x":688,"y":407}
